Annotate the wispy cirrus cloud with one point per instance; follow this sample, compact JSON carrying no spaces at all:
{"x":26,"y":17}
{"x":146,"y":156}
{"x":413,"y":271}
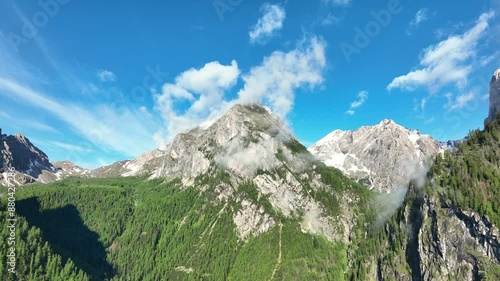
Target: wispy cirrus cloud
{"x":28,"y":123}
{"x":103,"y":126}
{"x":449,"y":61}
{"x":341,"y":3}
{"x":421,"y":16}
{"x":269,"y":24}
{"x":69,"y":147}
{"x":330,"y":19}
{"x":361,"y":99}
{"x":460,"y":101}
{"x":106,"y":76}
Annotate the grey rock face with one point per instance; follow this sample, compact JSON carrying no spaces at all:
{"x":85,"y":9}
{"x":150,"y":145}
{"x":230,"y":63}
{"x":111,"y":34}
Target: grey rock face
{"x":439,"y":242}
{"x":228,"y":142}
{"x":246,"y":142}
{"x":453,"y":241}
{"x":30,"y":163}
{"x":494,"y":97}
{"x":383,"y":157}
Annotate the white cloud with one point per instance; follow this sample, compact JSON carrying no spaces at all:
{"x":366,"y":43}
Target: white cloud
{"x":247,"y":159}
{"x":203,"y":89}
{"x":449,"y":61}
{"x":201,"y":92}
{"x":108,"y":128}
{"x":421,"y":16}
{"x":331,"y":19}
{"x":459,"y":102}
{"x":271,"y":22}
{"x":106,"y":76}
{"x":275,"y":80}
{"x":429,"y":121}
{"x":29,"y":123}
{"x":362,"y":97}
{"x":341,"y":3}
{"x":70,"y":147}
{"x":423,"y":102}
{"x":486,"y":60}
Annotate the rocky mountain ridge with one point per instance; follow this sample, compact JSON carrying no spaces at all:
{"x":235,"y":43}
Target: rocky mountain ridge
{"x":31,"y":165}
{"x":251,"y":144}
{"x":383,"y":157}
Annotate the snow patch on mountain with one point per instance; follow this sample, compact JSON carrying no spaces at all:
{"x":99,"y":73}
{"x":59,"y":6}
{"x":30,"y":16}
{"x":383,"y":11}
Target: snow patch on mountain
{"x":382,"y":157}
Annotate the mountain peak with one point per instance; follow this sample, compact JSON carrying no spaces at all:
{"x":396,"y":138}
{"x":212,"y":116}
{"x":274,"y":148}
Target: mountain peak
{"x":251,"y":132}
{"x":387,"y":122}
{"x":384,"y":157}
{"x":494,"y":97}
{"x":20,"y":137}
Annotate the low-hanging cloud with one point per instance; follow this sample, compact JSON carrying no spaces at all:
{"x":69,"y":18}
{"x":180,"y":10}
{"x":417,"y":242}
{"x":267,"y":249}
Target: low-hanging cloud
{"x":386,"y":204}
{"x":246,"y":159}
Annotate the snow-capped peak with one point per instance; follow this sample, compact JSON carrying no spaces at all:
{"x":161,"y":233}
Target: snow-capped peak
{"x":497,"y":74}
{"x":379,"y":156}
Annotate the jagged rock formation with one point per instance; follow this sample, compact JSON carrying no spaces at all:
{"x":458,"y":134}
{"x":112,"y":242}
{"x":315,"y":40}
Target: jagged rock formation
{"x":447,"y":230}
{"x":437,"y":240}
{"x":494,"y":97}
{"x":454,"y":242}
{"x":30,"y":163}
{"x":190,"y":154}
{"x":69,"y":169}
{"x":383,"y":157}
{"x":451,"y":144}
{"x":251,"y":144}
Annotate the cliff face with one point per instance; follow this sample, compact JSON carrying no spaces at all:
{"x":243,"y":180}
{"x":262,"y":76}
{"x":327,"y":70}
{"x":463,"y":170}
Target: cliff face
{"x":383,"y":157}
{"x":252,"y":145}
{"x":456,"y":243}
{"x":494,"y":97}
{"x":30,"y":163}
{"x":430,"y":238}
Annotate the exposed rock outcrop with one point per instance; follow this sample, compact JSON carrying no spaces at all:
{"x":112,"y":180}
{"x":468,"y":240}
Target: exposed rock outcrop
{"x":494,"y":97}
{"x":440,"y":242}
{"x":383,"y":157}
{"x":31,"y":165}
{"x":252,"y":145}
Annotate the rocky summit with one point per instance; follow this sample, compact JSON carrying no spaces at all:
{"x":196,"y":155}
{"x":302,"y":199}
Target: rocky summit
{"x":383,"y":157}
{"x":31,"y":165}
{"x":251,"y":144}
{"x":494,"y":97}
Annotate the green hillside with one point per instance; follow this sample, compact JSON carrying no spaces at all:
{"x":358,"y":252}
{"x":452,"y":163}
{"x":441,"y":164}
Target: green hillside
{"x":135,"y":229}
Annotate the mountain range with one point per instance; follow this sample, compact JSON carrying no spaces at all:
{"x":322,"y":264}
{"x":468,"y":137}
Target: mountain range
{"x":242,"y":199}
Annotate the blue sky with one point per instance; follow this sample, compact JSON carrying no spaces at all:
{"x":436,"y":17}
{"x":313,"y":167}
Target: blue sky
{"x":99,"y":81}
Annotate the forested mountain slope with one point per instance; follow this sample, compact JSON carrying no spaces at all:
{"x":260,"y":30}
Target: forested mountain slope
{"x":239,"y":200}
{"x":290,"y":217}
{"x":449,"y":229}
